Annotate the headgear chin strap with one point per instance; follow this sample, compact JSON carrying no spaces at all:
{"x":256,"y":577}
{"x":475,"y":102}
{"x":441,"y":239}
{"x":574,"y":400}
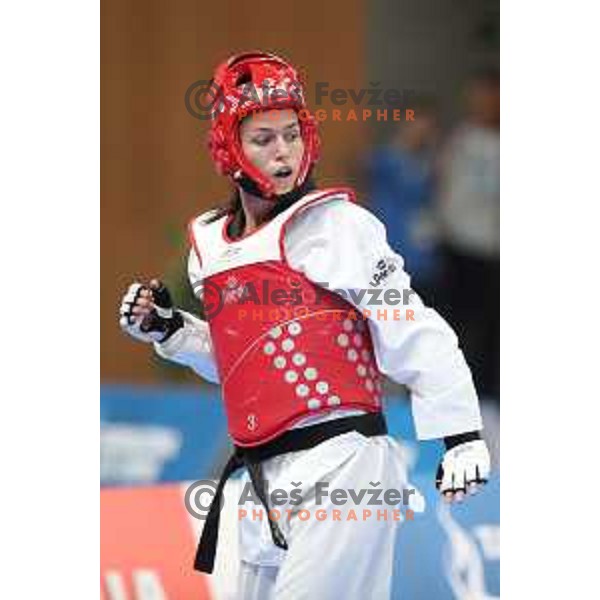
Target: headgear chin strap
{"x":245,"y":84}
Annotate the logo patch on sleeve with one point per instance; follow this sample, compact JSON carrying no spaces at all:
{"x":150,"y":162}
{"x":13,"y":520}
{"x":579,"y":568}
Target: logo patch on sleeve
{"x":383,"y":269}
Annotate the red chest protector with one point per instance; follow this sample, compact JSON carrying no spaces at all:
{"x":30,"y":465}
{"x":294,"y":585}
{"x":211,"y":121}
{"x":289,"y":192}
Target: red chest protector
{"x":285,"y":348}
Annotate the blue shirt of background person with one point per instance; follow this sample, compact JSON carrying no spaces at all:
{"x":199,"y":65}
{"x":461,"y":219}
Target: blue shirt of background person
{"x":400,"y":193}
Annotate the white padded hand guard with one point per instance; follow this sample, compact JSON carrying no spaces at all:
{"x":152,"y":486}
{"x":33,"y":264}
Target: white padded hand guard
{"x":465,"y":464}
{"x":131,"y":323}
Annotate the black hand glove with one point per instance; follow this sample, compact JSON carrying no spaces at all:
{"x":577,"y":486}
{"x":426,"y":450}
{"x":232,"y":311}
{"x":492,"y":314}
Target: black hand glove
{"x":160,"y":323}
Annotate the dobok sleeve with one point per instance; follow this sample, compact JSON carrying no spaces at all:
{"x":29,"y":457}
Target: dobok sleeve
{"x":343,"y":247}
{"x":191,"y":345}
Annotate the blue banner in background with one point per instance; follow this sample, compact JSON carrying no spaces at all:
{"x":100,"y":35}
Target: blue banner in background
{"x":450,"y":552}
{"x":154,"y":434}
{"x":158,"y":434}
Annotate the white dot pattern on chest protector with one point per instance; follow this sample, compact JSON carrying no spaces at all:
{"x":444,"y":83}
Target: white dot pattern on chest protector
{"x":279,"y":362}
{"x":287,"y":345}
{"x":276,"y":332}
{"x":343,"y":340}
{"x":299,"y":359}
{"x":291,"y":376}
{"x":322,"y":387}
{"x":311,"y":373}
{"x":302,"y":390}
{"x":352,"y":355}
{"x":311,"y":386}
{"x":294,"y":328}
{"x":334,"y":401}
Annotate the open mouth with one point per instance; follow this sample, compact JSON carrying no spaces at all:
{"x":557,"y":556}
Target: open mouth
{"x":283,"y":172}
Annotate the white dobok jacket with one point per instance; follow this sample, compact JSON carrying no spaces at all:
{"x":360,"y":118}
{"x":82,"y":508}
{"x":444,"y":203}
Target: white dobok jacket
{"x":345,"y":245}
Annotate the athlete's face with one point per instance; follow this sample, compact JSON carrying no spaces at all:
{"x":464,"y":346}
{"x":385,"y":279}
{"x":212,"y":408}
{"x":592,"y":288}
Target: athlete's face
{"x":272,"y":142}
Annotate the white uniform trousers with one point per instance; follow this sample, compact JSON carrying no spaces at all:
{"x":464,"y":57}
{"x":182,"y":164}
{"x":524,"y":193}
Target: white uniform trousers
{"x":327,"y":559}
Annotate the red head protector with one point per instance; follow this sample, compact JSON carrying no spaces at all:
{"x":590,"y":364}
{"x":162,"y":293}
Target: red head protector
{"x":250,"y":82}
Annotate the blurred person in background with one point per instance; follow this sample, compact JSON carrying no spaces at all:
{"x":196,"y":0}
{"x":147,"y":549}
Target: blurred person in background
{"x":399,"y":176}
{"x":303,"y":394}
{"x":468,"y":205}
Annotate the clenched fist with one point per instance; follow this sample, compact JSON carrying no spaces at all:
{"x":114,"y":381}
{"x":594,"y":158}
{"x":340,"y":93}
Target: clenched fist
{"x":147,"y":312}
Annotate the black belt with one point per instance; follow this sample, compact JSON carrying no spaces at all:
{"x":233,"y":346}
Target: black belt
{"x":294,"y":440}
